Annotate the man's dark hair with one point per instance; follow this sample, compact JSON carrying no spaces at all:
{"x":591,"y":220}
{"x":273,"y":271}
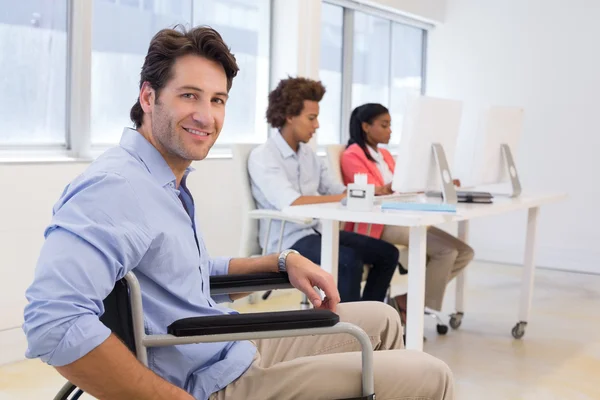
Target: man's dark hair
{"x":287,"y":99}
{"x":170,"y":44}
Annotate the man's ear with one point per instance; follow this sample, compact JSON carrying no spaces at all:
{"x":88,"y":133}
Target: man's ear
{"x":289,"y":120}
{"x":147,"y":98}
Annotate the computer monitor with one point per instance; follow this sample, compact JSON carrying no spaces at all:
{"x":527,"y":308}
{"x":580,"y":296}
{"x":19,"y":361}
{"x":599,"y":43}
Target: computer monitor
{"x":427,"y":145}
{"x":494,"y":160}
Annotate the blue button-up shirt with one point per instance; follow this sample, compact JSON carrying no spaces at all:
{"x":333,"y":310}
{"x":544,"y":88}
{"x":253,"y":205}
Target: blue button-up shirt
{"x":122,"y":214}
{"x":279,"y":176}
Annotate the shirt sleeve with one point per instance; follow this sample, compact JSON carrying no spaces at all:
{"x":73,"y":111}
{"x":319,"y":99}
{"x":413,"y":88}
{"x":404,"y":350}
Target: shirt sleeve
{"x":269,"y":177}
{"x":219,"y":266}
{"x":328,"y":185}
{"x":97,"y":234}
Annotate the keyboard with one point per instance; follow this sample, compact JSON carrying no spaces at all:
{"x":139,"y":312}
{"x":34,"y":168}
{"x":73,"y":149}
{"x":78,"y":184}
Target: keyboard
{"x":465,"y":196}
{"x":397,"y":197}
{"x":409,"y":202}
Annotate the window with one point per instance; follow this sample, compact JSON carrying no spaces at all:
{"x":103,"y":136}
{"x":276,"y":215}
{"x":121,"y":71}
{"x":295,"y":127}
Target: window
{"x":33,"y":42}
{"x":406,"y":72}
{"x":371,"y":60}
{"x":366,"y":54}
{"x":386,"y":58}
{"x":121,"y":33}
{"x":245,"y":27}
{"x":330,"y":73}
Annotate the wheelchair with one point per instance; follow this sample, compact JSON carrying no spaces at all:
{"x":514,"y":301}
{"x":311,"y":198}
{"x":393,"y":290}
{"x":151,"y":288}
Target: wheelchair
{"x":124,"y":316}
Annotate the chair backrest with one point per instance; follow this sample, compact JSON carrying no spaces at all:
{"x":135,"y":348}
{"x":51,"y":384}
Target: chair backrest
{"x":119,"y":319}
{"x":334,"y":155}
{"x":117,"y":314}
{"x":249,"y":244}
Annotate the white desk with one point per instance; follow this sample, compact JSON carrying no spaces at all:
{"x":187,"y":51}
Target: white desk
{"x":331,"y":214}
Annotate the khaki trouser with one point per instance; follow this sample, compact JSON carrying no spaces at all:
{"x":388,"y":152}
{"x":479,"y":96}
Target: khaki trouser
{"x":447,"y":256}
{"x":329,"y":366}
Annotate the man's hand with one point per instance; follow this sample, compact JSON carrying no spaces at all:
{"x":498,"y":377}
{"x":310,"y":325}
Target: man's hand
{"x":383,"y":190}
{"x":304,"y":275}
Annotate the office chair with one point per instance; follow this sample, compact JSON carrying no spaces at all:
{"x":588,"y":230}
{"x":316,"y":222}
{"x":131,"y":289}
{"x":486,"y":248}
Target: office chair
{"x":334,"y":155}
{"x":249,"y":243}
{"x":124,"y":316}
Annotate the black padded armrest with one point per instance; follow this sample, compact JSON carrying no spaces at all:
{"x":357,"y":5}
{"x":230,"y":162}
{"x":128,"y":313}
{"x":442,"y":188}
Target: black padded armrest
{"x":253,"y":322}
{"x":244,"y":283}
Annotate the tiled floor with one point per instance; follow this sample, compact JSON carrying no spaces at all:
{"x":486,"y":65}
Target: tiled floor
{"x":559,"y":357}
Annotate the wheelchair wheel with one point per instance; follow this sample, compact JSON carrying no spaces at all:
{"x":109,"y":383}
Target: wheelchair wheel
{"x":67,"y":390}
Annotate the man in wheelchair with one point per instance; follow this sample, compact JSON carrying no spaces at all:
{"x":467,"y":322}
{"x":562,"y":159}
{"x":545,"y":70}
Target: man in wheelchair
{"x":131,"y":210}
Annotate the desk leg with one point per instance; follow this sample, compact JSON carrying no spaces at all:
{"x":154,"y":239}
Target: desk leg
{"x":330,"y":247}
{"x":528,"y":274}
{"x":455,"y":319}
{"x":417,"y":245}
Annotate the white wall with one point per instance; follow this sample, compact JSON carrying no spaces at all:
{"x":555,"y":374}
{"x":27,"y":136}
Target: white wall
{"x":542,"y":55}
{"x":428,"y":10}
{"x":29,"y":192}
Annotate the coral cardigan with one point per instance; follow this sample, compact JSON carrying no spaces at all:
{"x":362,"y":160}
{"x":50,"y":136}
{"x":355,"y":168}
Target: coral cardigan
{"x":354,"y":161}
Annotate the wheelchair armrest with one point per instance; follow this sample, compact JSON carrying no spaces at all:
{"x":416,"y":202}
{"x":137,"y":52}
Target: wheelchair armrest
{"x":245,"y":283}
{"x":253,"y":322}
{"x":278,"y":215}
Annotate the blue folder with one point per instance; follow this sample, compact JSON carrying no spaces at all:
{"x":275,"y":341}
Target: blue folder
{"x":404,"y":206}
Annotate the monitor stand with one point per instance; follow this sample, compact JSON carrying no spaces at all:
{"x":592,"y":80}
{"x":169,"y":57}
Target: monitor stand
{"x":448,"y":190}
{"x":511,"y":170}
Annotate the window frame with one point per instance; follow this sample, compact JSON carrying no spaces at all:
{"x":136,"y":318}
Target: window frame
{"x":53,"y":152}
{"x":350,"y":7}
{"x":78,"y":146}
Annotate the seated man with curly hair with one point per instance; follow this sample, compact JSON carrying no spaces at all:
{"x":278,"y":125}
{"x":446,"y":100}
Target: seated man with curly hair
{"x":286,"y":171}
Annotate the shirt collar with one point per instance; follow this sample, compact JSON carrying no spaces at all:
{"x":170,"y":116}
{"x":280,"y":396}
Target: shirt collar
{"x":374,"y":153}
{"x":283,"y":147}
{"x":137,"y":145}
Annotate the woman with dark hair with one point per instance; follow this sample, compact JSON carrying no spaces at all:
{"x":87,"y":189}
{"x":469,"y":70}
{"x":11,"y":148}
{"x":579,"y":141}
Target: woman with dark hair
{"x":370,"y":126}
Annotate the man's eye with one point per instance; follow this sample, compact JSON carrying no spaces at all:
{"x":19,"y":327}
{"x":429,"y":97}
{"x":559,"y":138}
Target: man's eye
{"x":219,"y":100}
{"x":188,"y":96}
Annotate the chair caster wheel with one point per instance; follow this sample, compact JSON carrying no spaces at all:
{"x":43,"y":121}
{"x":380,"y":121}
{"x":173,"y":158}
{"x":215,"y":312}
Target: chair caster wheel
{"x":456,"y":320}
{"x":518,"y":331}
{"x":442,"y":329}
